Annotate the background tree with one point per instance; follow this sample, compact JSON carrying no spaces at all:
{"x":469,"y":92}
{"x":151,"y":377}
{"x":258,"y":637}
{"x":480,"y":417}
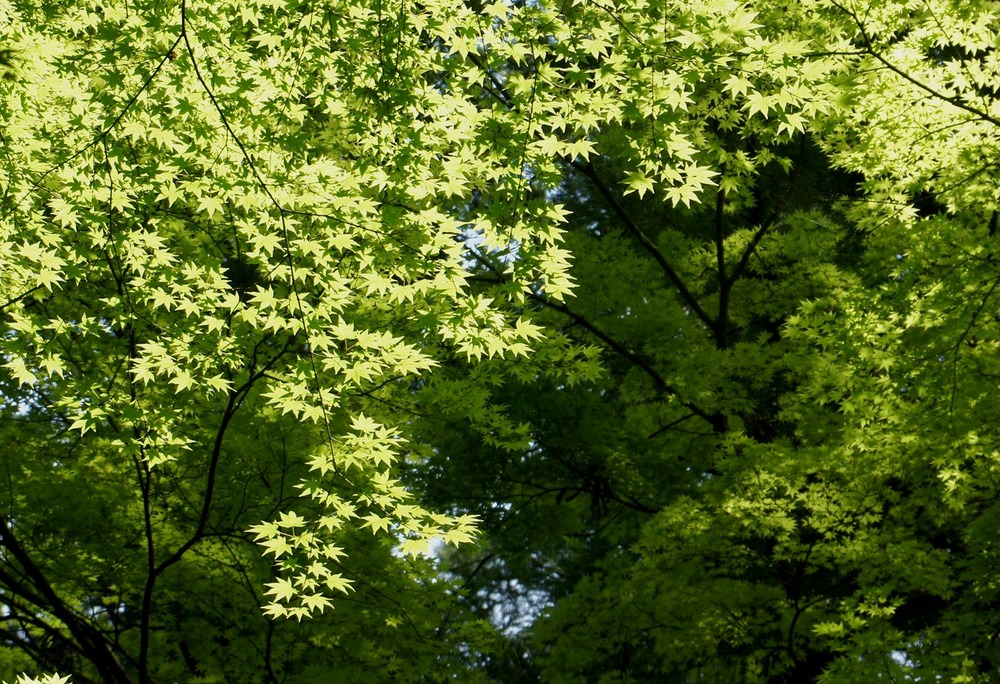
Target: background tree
{"x":771,"y":499}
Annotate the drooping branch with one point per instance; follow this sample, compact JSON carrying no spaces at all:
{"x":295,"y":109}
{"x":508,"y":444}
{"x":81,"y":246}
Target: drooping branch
{"x":952,"y":100}
{"x":673,"y":276}
{"x":618,"y":347}
{"x":623,"y":351}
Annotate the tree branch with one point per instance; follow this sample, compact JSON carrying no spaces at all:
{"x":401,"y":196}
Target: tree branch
{"x":611,"y":342}
{"x":748,"y":252}
{"x":722,"y":321}
{"x":870,"y":49}
{"x":622,"y":351}
{"x":91,"y":641}
{"x":590,"y":172}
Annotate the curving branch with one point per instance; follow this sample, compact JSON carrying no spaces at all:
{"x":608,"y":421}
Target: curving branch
{"x":619,"y":348}
{"x":590,"y":172}
{"x":869,"y":48}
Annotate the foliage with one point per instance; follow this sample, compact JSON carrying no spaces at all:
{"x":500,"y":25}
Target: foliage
{"x":790,"y":473}
{"x":45,"y":679}
{"x":689,"y":305}
{"x":220,"y":278}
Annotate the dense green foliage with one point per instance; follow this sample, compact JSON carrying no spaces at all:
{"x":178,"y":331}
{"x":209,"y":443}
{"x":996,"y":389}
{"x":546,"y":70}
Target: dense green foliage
{"x":645,"y":341}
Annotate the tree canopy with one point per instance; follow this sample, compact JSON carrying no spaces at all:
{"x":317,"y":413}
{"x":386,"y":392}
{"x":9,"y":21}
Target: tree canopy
{"x":513,"y":341}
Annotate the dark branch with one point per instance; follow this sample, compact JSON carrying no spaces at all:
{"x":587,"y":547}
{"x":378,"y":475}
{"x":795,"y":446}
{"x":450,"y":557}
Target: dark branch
{"x":725,"y":285}
{"x":870,"y":49}
{"x":590,"y":172}
{"x":91,"y":641}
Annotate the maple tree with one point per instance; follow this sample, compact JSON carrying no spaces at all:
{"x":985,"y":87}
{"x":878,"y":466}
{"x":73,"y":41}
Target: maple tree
{"x":790,"y":471}
{"x":690,"y":304}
